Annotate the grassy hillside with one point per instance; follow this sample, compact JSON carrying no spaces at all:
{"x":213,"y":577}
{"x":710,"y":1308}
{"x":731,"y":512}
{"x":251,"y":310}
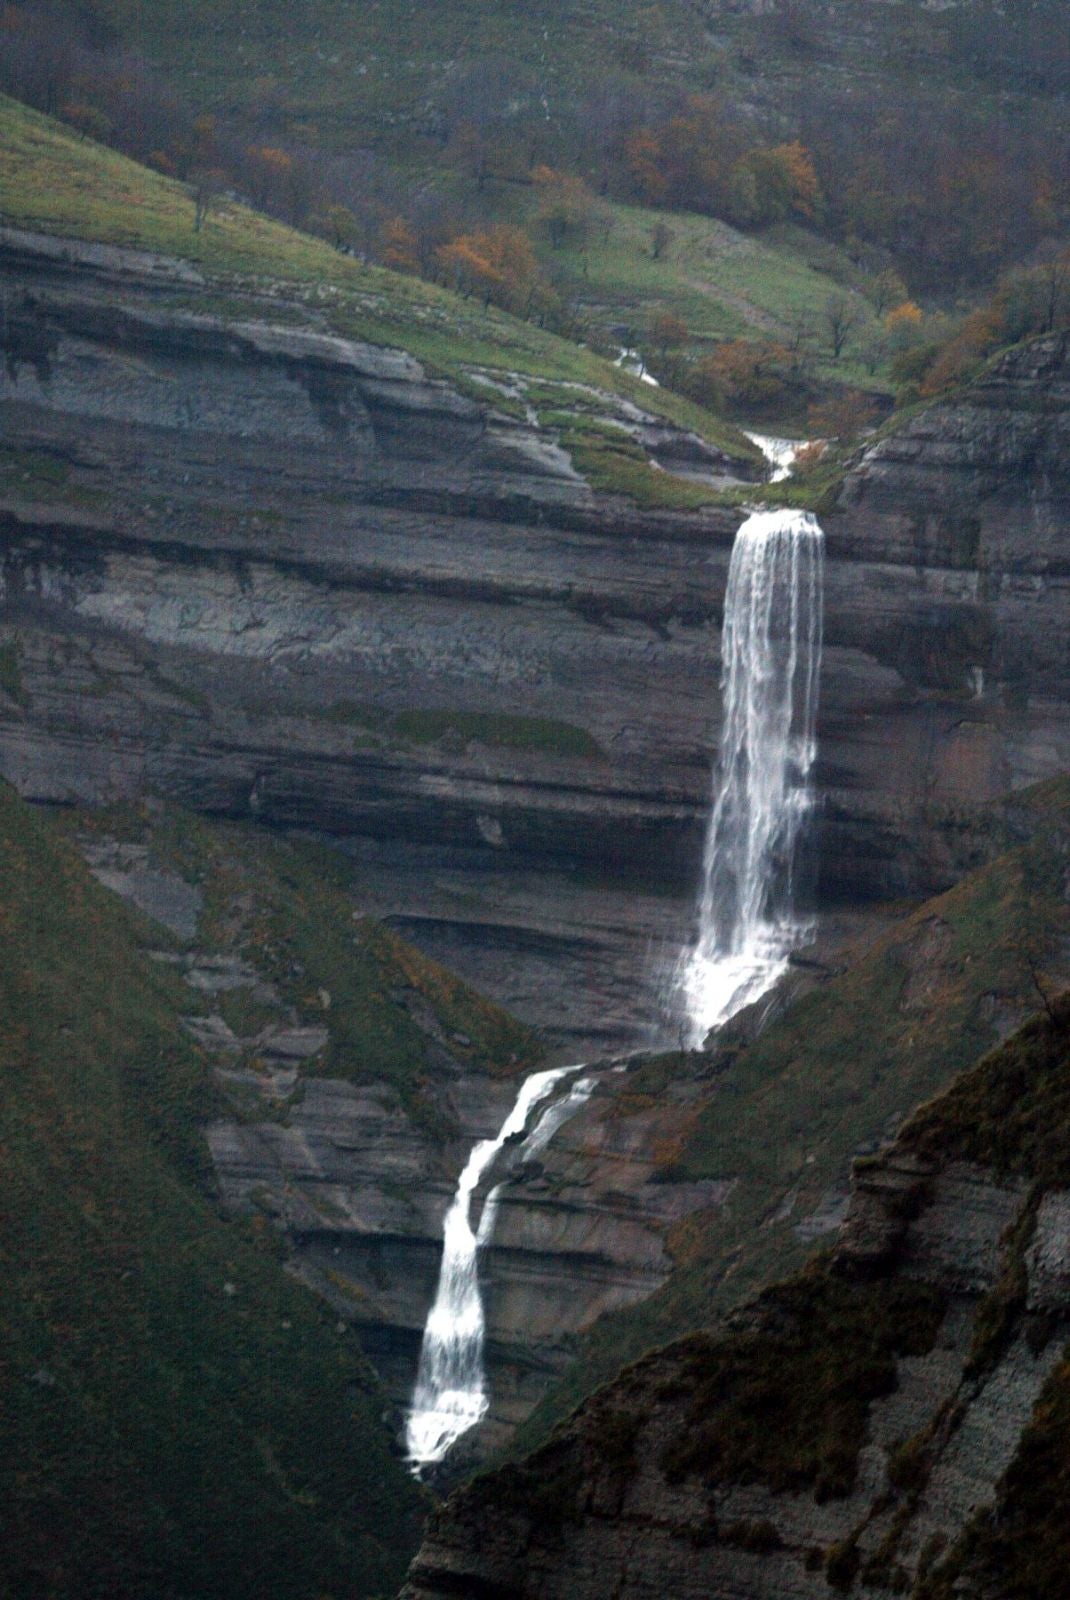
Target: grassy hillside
{"x":384,"y":73}
{"x":378,"y":72}
{"x":721,"y":283}
{"x":836,"y":1073}
{"x":177,"y":1416}
{"x":54,"y":182}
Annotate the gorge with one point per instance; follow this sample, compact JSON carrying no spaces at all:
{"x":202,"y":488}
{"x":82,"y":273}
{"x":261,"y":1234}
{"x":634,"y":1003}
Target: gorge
{"x":534,"y":800}
{"x":325,"y":626}
{"x":369,"y":678}
{"x":359,"y":651}
{"x":772,"y":632}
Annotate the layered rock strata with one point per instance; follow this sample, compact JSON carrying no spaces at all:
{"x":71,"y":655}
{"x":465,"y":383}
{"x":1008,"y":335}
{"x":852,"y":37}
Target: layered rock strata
{"x":848,"y":1427}
{"x":277,"y":573}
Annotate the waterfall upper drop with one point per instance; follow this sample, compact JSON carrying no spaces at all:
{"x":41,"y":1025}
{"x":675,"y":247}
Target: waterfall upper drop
{"x":771,"y":663}
{"x":450,"y":1395}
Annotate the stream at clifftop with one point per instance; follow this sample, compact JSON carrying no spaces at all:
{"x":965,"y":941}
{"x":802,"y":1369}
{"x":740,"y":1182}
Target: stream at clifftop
{"x":746,"y":926}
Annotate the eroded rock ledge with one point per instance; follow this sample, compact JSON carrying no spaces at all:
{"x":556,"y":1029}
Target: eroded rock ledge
{"x":851,"y":1428}
{"x":271,"y":572}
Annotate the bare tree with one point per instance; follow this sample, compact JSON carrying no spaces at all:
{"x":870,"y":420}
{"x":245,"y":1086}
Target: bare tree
{"x":207,"y":186}
{"x":841,"y":315}
{"x":661,"y":237}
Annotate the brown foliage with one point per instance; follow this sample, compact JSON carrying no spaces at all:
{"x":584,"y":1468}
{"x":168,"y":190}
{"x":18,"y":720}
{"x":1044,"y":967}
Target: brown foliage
{"x":497,"y":262}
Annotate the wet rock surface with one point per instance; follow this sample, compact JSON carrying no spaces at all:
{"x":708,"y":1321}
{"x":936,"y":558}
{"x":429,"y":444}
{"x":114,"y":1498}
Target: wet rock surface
{"x":357,"y":1179}
{"x":279,"y":574}
{"x":600,"y":1508}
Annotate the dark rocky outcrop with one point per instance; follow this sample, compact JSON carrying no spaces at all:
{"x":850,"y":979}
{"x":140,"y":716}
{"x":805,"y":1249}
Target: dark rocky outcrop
{"x":272,"y":572}
{"x":851,"y":1428}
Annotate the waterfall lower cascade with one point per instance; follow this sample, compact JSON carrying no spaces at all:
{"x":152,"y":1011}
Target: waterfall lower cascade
{"x":771,"y":648}
{"x":771,"y":662}
{"x":451,"y":1395}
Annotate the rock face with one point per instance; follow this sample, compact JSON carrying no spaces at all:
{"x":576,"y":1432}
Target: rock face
{"x":356,"y":1167}
{"x":848,"y":1426}
{"x":360,"y":1193}
{"x":275,"y":573}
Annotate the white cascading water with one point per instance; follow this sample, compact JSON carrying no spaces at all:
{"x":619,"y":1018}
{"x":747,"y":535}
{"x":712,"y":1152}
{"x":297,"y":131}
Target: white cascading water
{"x":772,"y":659}
{"x":451,"y":1395}
{"x":771,"y":662}
{"x":780,"y":453}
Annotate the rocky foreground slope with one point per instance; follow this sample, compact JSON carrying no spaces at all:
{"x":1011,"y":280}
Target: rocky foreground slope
{"x":889,"y":1421}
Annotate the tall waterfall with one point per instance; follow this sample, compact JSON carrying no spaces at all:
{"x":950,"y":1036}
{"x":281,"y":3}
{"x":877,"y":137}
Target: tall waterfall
{"x":771,"y":661}
{"x":450,"y":1395}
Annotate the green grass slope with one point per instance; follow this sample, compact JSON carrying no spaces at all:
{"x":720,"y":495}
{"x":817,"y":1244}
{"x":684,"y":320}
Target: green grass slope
{"x":177,"y":1417}
{"x":53,"y":182}
{"x":836,"y":1072}
{"x":286,"y":907}
{"x":721,"y":283}
{"x":383,"y":73}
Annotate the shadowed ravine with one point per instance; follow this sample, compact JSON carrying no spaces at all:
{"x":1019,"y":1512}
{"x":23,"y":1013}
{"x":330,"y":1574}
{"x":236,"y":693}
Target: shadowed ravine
{"x":746,"y":926}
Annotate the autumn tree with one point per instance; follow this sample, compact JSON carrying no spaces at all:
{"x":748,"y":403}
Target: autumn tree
{"x":843,"y":418}
{"x":770,"y":185}
{"x":399,"y":246}
{"x":745,"y":375}
{"x":268,"y":170}
{"x":565,"y":204}
{"x":497,"y":263}
{"x":337,"y":223}
{"x":643,"y":156}
{"x":1037,"y":300}
{"x":91,"y":122}
{"x":888,"y":290}
{"x":903,"y":325}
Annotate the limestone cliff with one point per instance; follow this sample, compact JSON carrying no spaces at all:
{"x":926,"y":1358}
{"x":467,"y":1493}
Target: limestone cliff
{"x":889,"y":1421}
{"x":271,"y":571}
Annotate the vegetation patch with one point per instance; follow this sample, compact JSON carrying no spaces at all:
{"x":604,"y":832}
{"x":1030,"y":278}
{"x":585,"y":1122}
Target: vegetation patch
{"x":177,"y":1415}
{"x":512,"y":732}
{"x":11,"y":673}
{"x":1012,"y":1113}
{"x":785,"y":1403}
{"x":615,"y":464}
{"x":286,"y":906}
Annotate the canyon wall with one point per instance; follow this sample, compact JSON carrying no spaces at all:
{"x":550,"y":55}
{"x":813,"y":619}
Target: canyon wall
{"x":275,"y":573}
{"x":871,"y":1426}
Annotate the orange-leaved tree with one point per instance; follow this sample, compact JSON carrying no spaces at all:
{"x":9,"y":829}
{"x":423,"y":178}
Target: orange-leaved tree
{"x":498,"y":263}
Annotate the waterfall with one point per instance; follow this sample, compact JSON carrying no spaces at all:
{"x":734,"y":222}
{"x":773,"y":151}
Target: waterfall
{"x":746,"y":929}
{"x":780,"y":453}
{"x":771,"y":660}
{"x":450,"y":1395}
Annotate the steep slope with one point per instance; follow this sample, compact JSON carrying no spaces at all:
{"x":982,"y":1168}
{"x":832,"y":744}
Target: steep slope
{"x":397,"y":76}
{"x":306,"y":576}
{"x":888,"y":1420}
{"x":240,"y":264}
{"x":178,"y":1416}
{"x":768,"y":1122}
{"x":355,"y":1073}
